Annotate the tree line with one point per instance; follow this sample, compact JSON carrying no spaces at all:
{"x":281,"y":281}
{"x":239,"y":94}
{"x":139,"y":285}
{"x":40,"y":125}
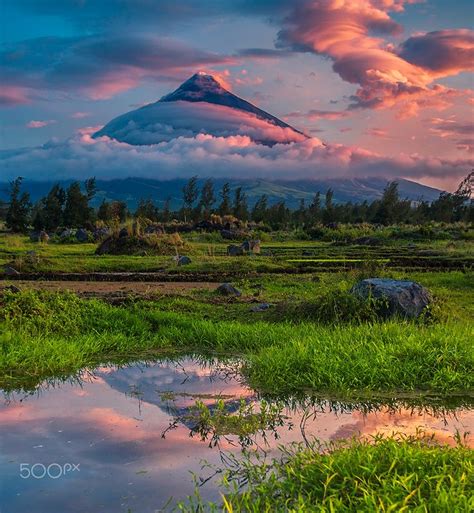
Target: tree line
{"x":71,"y":208}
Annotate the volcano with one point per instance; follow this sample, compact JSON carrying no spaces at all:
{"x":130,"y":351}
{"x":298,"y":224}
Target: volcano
{"x":199,"y":106}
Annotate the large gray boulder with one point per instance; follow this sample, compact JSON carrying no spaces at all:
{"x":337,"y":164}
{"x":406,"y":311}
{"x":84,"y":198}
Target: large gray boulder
{"x":226,"y":289}
{"x":182,"y":260}
{"x":234,"y":250}
{"x":405,"y":298}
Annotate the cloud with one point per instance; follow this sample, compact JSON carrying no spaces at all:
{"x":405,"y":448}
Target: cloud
{"x":98,"y":67}
{"x":40,"y":124}
{"x":377,"y":132}
{"x":460,"y":132}
{"x":11,"y":95}
{"x":163,"y":121}
{"x":218,"y":157}
{"x":348,"y":32}
{"x":443,"y":51}
{"x":315,"y":114}
{"x":80,"y":115}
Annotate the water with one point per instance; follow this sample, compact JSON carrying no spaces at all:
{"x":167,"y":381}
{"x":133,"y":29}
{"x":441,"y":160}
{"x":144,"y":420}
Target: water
{"x":123,"y":439}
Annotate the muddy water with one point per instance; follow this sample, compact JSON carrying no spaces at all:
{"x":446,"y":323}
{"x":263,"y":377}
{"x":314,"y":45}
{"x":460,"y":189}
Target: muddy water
{"x":122,"y":439}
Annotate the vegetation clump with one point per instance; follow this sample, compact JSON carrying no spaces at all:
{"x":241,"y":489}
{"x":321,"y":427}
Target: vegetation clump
{"x":148,"y":244}
{"x":397,"y":473}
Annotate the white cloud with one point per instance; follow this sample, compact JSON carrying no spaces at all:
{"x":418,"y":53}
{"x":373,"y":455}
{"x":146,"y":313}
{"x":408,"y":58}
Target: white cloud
{"x":210,"y":156}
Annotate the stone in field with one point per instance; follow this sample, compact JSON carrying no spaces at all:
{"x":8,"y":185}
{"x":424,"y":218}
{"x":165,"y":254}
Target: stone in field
{"x":183,"y":260}
{"x":226,"y":289}
{"x":405,"y":298}
{"x":234,"y":250}
{"x":261,"y":307}
{"x":82,"y":235}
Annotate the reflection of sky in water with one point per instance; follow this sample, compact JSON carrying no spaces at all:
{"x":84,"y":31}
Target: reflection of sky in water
{"x":112,"y":426}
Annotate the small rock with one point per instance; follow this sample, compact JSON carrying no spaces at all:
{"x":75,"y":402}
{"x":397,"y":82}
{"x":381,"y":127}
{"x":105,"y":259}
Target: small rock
{"x":123,"y":232}
{"x":34,"y":236}
{"x":183,"y":260}
{"x":405,"y":298}
{"x":66,"y":234}
{"x":261,"y":307}
{"x":10,"y":271}
{"x":233,"y":250}
{"x":43,"y":237}
{"x":82,"y":235}
{"x":226,"y":289}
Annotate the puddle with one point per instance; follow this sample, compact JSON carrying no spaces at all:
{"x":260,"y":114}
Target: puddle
{"x":128,"y":439}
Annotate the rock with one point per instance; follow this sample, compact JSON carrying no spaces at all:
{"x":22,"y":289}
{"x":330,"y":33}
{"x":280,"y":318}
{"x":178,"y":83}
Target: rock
{"x":34,"y":236}
{"x":406,"y":298}
{"x":251,"y":246}
{"x":105,"y":246}
{"x":226,"y":289}
{"x":261,"y":307}
{"x":43,"y":237}
{"x":66,"y":234}
{"x":233,"y":250}
{"x":123,"y":232}
{"x":10,"y":271}
{"x":100,"y":234}
{"x":82,"y":235}
{"x":183,"y":260}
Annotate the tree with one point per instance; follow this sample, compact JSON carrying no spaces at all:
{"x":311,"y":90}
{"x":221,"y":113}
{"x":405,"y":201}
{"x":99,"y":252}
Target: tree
{"x":18,"y":213}
{"x":315,"y":208}
{"x":239,"y":208}
{"x":76,"y":210}
{"x":104,"y":212}
{"x":388,"y":210}
{"x":190,"y":194}
{"x":207,"y":198}
{"x":224,"y":207}
{"x":53,"y":206}
{"x":259,"y":211}
{"x":147,"y":210}
{"x":166,"y":216}
{"x":328,"y":214}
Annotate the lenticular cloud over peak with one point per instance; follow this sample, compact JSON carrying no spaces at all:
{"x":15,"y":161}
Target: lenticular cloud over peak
{"x":199,"y":106}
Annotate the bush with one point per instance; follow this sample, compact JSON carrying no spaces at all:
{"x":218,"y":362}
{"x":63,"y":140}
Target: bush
{"x":152,"y":244}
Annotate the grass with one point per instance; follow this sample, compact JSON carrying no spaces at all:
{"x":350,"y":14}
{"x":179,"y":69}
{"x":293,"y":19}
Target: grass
{"x":398,"y":473}
{"x":50,"y":334}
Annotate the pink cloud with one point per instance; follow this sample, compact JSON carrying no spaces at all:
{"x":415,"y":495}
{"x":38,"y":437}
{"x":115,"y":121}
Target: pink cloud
{"x":377,"y":132}
{"x":40,"y":124}
{"x":343,"y":30}
{"x":223,"y":157}
{"x":315,"y":114}
{"x":80,"y":115}
{"x":11,"y":95}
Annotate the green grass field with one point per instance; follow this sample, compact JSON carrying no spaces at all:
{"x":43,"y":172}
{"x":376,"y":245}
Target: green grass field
{"x":315,"y":340}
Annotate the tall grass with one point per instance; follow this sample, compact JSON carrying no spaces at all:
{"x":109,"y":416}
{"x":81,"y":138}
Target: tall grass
{"x":44,"y":334}
{"x":398,"y":473}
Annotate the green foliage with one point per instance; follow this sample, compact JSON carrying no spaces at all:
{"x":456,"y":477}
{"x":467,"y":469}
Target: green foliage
{"x":397,"y":473}
{"x":18,"y":213}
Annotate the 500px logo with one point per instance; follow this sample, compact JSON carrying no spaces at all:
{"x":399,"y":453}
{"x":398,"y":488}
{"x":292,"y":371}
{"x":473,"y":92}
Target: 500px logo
{"x":53,"y":470}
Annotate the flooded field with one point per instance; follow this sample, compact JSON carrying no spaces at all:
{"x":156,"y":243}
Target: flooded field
{"x":130,"y":438}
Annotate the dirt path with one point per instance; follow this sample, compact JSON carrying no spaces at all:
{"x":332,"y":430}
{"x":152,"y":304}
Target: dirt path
{"x":115,"y":288}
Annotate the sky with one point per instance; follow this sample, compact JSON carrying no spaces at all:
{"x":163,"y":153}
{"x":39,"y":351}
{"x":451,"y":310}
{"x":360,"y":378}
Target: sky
{"x":383,"y":87}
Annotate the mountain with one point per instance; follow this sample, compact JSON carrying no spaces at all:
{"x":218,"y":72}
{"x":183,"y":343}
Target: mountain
{"x":199,"y":106}
{"x":131,"y":190}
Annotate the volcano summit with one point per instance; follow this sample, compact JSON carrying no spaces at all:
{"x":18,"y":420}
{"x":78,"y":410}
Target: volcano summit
{"x":199,"y":106}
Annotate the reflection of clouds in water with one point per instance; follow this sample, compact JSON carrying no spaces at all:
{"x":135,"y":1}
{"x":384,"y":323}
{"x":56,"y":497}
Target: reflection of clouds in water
{"x":115,"y":435}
